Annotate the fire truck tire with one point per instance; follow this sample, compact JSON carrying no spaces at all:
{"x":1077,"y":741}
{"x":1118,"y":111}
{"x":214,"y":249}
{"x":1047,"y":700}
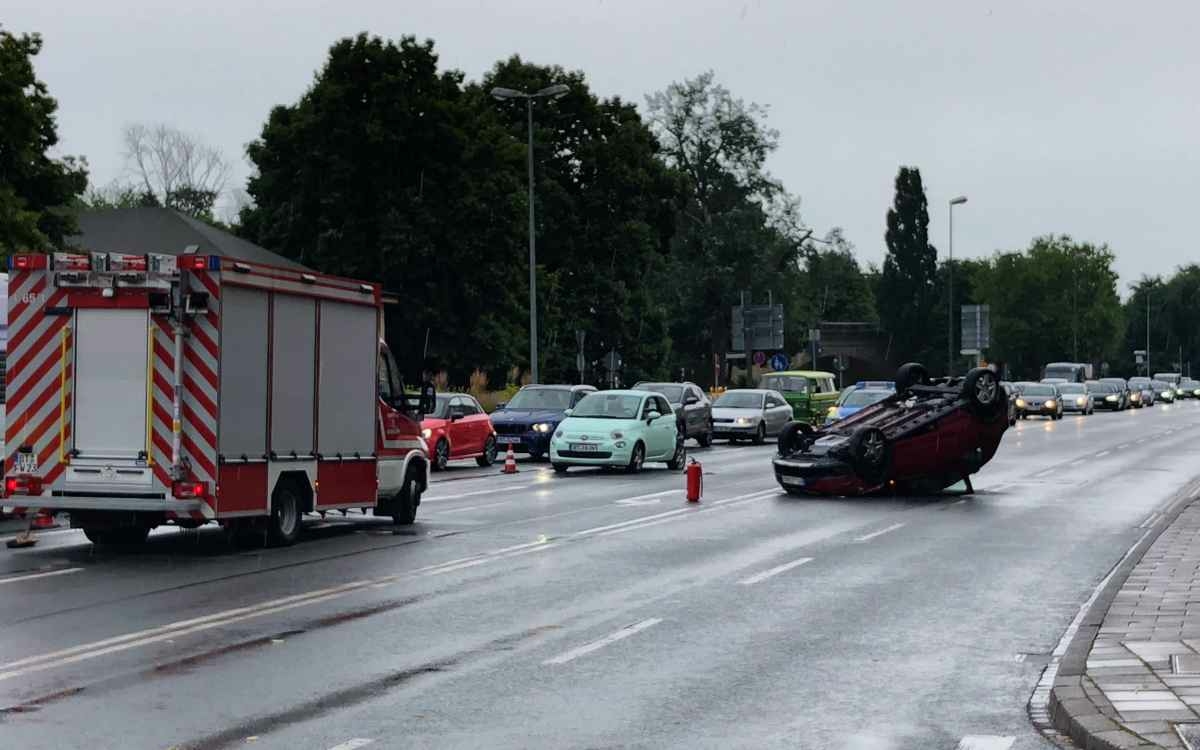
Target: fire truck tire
{"x":407,"y":501}
{"x":489,"y":453}
{"x":125,"y":536}
{"x":283,"y":526}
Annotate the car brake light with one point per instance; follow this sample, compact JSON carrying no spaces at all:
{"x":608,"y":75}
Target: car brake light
{"x":189,"y":490}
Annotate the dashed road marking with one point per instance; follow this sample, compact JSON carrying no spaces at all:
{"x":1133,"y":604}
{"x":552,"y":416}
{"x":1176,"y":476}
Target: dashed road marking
{"x":759,"y":577}
{"x":607,"y":640}
{"x":881,"y":532}
{"x":985,"y":742}
{"x":493,"y":491}
{"x":1102,"y":454}
{"x":32,"y":576}
{"x":353,"y":744}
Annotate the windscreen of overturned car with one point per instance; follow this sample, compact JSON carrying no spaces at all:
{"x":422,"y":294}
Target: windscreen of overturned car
{"x":551,"y":399}
{"x":608,"y":406}
{"x":742,"y":400}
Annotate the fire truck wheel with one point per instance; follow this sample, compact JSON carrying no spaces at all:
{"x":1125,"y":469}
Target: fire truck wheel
{"x":283,"y":528}
{"x":489,"y":453}
{"x":125,"y":536}
{"x":407,"y":501}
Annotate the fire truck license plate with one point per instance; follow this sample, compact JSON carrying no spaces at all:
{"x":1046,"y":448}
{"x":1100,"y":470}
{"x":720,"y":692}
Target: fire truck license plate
{"x":26,"y":463}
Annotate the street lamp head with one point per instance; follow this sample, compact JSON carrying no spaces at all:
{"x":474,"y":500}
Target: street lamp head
{"x":556,"y":91}
{"x":958,"y":201}
{"x":502,"y":93}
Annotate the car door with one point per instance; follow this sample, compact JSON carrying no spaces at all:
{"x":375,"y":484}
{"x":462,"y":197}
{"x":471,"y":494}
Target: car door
{"x":459,"y":429}
{"x":778,"y":413}
{"x":694,"y":412}
{"x":478,"y":424}
{"x":665,"y":426}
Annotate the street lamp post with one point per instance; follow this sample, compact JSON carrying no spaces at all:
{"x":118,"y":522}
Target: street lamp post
{"x":950,"y":295}
{"x":550,"y":92}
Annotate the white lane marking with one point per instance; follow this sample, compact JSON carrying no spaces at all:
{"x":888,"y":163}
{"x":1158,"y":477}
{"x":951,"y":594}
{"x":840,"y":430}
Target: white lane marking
{"x":1043,"y":473}
{"x":353,"y":744}
{"x":470,"y":508}
{"x":607,"y":640}
{"x":985,"y":742}
{"x":656,"y":518}
{"x":759,"y":577}
{"x":1019,"y":658}
{"x":651,"y":499}
{"x":31,"y":576}
{"x":1079,"y":461}
{"x":428,"y":499}
{"x":881,"y":532}
{"x":959,"y":502}
{"x":1102,"y":454}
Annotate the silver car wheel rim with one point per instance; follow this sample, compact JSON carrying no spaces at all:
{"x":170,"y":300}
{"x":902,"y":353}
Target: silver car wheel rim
{"x":873,"y":447}
{"x":985,"y":389}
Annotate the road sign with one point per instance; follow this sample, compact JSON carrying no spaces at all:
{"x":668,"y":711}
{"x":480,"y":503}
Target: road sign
{"x":760,"y":358}
{"x":764,"y":323}
{"x":779,"y":362}
{"x":612,"y":361}
{"x":976,"y":327}
{"x":1139,"y":356}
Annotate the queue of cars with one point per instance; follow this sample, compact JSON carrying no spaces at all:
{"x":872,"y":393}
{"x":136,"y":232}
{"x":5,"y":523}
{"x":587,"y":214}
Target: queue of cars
{"x":1055,"y":396}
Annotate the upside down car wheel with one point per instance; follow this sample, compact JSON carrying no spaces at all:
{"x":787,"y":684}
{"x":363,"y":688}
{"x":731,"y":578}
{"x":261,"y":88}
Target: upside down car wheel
{"x":870,"y":454}
{"x":981,"y":388}
{"x":795,"y":436}
{"x":913,"y":373}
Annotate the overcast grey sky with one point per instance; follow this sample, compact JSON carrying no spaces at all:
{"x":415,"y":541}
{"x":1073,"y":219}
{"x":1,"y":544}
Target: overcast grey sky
{"x":1066,"y":116}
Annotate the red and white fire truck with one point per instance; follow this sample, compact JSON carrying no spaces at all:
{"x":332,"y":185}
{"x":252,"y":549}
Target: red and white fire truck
{"x":154,"y":389}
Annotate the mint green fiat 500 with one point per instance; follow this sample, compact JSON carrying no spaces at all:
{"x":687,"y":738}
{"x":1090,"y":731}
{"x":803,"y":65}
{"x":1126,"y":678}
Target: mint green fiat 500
{"x":618,"y":428}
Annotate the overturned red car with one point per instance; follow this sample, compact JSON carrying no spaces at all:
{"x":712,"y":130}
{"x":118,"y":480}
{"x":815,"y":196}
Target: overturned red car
{"x":925,"y":438}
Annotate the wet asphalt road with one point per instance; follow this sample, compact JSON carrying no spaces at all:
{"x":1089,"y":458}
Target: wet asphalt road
{"x":597,"y":610}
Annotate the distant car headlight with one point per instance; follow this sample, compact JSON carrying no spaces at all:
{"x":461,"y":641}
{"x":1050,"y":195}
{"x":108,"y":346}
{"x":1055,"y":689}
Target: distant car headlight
{"x":543,"y":427}
{"x":1135,"y":397}
{"x":426,"y":433}
{"x":1050,"y":404}
{"x":743,"y":420}
{"x":832,"y":412}
{"x":617,"y":435}
{"x":1166,"y":394}
{"x":1110,"y":398}
{"x":1020,"y":403}
{"x":1196,"y":392}
{"x":1080,"y":401}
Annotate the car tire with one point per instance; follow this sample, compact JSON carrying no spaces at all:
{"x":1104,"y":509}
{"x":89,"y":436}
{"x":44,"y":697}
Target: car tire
{"x":795,"y":437}
{"x":679,"y":459}
{"x":705,"y":438}
{"x":536,"y":455}
{"x":407,"y":499}
{"x":636,"y":458}
{"x":489,"y":452}
{"x":981,"y":388}
{"x":441,"y":455}
{"x":284,"y":524}
{"x":910,"y":374}
{"x":560,"y":468}
{"x":870,"y":454}
{"x":760,"y":435}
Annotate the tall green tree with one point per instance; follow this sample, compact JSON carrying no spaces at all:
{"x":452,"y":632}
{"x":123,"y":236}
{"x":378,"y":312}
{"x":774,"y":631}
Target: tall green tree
{"x":36,"y":190}
{"x":737,"y":229}
{"x":906,"y":287}
{"x":834,"y":286}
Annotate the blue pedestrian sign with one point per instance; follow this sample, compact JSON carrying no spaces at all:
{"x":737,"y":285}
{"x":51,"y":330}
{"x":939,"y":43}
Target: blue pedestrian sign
{"x":779,"y":362}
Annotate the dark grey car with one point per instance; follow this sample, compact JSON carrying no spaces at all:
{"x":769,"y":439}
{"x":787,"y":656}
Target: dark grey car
{"x":691,"y":405}
{"x":1123,"y":391}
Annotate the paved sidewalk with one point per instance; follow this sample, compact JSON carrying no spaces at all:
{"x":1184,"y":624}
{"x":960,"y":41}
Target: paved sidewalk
{"x":1140,"y":683}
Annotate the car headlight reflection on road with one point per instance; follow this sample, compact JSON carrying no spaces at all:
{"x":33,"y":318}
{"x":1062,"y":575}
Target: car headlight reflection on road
{"x":1079,"y":401}
{"x":1020,"y":403}
{"x":426,"y":433}
{"x":543,"y":427}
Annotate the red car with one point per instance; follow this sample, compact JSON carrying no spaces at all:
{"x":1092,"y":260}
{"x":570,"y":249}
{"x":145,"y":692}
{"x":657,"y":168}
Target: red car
{"x":458,"y":428}
{"x":921,"y":440}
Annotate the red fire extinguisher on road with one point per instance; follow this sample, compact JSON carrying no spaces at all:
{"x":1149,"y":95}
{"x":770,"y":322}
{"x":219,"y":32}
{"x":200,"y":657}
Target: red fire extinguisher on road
{"x":695,"y":481}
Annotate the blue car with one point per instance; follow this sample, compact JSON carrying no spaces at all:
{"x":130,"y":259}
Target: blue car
{"x":861,"y":395}
{"x":527,"y":422}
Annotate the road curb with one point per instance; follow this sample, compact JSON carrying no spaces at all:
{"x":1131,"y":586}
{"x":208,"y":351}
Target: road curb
{"x":1076,"y":706}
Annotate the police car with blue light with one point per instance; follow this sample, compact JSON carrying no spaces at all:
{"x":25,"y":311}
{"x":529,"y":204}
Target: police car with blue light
{"x":859,"y":396}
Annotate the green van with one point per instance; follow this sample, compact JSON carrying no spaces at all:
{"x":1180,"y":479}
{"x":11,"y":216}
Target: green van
{"x":809,"y":392}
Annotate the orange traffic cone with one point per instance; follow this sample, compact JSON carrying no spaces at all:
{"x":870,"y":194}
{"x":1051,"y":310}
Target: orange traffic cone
{"x":510,"y":462}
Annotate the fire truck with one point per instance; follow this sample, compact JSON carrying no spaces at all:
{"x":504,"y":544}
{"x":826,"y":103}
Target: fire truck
{"x":189,"y":389}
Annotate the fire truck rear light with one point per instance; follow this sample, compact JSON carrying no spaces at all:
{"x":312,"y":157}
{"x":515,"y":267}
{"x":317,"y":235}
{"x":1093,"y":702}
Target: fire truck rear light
{"x":72,"y":262}
{"x":189,"y":490}
{"x":27,"y":262}
{"x":198,"y":262}
{"x":22,"y":485}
